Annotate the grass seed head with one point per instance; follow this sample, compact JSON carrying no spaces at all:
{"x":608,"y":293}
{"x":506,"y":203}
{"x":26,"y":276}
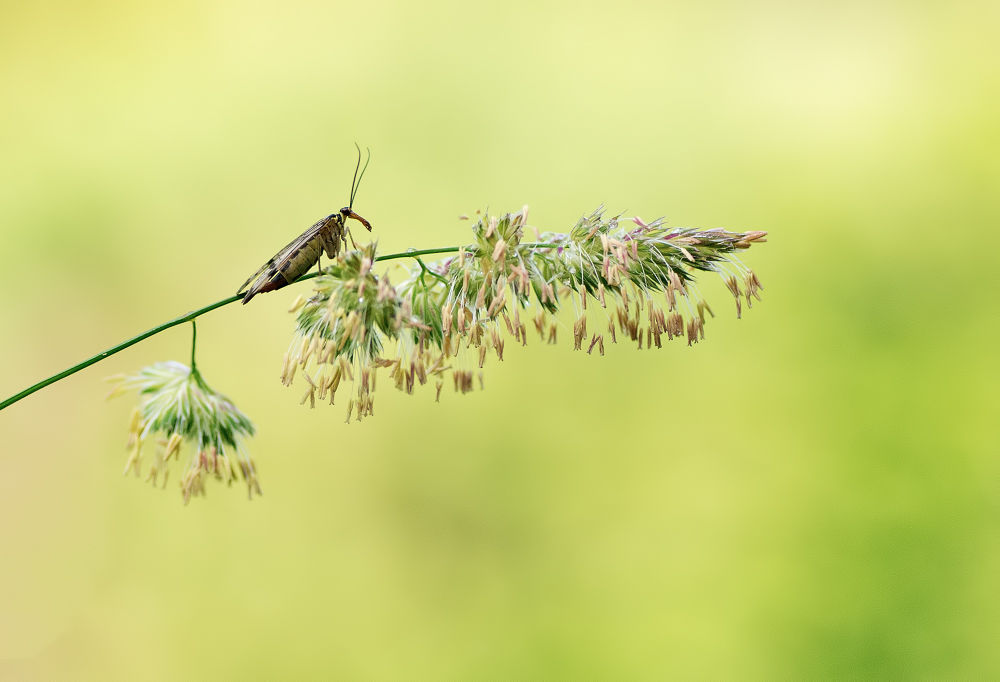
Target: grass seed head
{"x":178,"y":405}
{"x":436,"y":320}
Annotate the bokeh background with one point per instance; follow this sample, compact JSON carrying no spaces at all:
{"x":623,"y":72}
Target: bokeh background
{"x":814,"y":492}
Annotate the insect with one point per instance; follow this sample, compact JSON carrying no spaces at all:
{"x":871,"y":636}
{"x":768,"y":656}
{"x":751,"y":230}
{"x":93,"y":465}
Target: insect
{"x":294,"y":260}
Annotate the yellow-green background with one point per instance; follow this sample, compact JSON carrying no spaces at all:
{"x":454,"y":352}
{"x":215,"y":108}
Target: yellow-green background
{"x":814,"y":492}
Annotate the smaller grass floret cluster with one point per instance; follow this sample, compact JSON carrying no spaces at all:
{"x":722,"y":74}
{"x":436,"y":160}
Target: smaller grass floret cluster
{"x":446,"y":317}
{"x":179,"y":408}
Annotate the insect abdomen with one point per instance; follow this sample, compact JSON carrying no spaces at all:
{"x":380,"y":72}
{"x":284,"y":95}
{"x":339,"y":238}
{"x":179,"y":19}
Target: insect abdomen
{"x":300,"y":260}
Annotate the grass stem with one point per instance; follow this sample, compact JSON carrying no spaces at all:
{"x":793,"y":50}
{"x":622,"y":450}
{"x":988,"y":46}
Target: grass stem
{"x":189,"y":317}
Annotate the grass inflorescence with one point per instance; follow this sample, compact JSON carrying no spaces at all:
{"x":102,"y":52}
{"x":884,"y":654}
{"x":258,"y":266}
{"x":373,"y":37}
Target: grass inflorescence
{"x":447,"y":316}
{"x":178,"y":408}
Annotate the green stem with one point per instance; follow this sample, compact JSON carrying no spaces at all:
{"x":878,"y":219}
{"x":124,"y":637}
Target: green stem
{"x":194,"y":342}
{"x":195,"y":374}
{"x":190,"y":317}
{"x":115,"y":349}
{"x":541,"y":245}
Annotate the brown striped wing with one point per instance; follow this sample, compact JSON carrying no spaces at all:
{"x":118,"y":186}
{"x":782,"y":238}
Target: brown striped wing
{"x":281,"y":261}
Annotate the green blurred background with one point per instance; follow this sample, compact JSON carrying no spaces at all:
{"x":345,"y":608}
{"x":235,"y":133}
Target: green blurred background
{"x":814,"y":492}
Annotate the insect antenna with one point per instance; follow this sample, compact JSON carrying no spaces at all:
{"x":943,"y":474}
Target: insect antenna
{"x":356,"y":182}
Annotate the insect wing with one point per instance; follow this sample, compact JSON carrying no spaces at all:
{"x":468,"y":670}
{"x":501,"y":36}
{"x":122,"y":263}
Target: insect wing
{"x":280,"y":258}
